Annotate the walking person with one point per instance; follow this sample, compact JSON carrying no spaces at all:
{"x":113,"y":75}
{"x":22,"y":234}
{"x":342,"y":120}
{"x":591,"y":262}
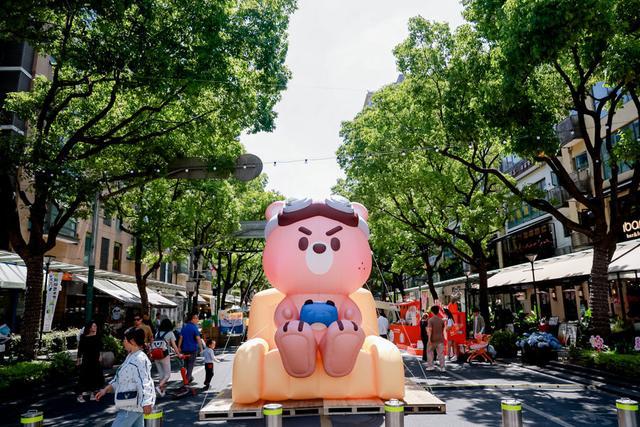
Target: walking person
{"x":138,"y":322}
{"x":190,"y":343}
{"x":383,"y":325}
{"x":478,"y":323}
{"x":91,"y":378}
{"x":160,"y":353}
{"x":423,"y":335}
{"x":132,"y":383}
{"x":209,"y":358}
{"x":435,"y":330}
{"x":449,"y":331}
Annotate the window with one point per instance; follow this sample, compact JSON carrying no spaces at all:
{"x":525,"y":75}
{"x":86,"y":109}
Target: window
{"x":106,"y":219}
{"x":104,"y":254}
{"x":631,"y":131}
{"x":581,"y":161}
{"x":554,"y":179}
{"x":87,"y":248}
{"x":117,"y":256}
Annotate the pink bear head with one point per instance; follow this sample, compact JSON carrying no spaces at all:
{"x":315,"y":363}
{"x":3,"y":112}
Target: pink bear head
{"x":317,"y":247}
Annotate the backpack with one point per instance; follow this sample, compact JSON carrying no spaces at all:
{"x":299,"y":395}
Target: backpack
{"x":159,"y":347}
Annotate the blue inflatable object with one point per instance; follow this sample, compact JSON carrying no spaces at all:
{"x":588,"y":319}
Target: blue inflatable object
{"x":319,"y":312}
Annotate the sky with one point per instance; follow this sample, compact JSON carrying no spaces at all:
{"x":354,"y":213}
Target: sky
{"x":338,"y":50}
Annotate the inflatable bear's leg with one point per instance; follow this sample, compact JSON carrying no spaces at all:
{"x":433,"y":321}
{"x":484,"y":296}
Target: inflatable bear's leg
{"x":340,"y":347}
{"x":297,"y":346}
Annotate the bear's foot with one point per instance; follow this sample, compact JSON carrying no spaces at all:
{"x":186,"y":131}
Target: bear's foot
{"x":340,"y":347}
{"x":297,"y":346}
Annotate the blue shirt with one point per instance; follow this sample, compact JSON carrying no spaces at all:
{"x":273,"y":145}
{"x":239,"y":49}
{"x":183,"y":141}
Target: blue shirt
{"x":189,"y":333}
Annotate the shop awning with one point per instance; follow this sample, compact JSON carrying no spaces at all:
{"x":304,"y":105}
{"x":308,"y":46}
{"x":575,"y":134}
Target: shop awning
{"x":106,"y":287}
{"x":626,"y":260}
{"x":155,"y":299}
{"x":13,"y":276}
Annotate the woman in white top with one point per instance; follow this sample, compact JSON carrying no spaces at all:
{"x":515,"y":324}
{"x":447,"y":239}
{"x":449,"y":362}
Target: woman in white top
{"x":132,"y":383}
{"x":165,"y":332}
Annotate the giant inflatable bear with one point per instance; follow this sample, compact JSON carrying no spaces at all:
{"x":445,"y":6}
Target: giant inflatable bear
{"x":314,"y":335}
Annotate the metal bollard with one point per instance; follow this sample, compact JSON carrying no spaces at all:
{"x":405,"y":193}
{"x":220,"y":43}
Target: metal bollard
{"x":394,"y":413}
{"x":511,"y":413}
{"x":154,"y":419}
{"x":627,"y":412}
{"x":272,"y":415}
{"x":32,"y":418}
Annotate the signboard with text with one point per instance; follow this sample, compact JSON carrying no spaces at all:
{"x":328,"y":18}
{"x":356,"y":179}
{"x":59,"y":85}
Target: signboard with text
{"x":53,"y":290}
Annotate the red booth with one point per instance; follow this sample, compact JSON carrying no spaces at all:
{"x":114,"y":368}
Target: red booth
{"x":406,"y":332}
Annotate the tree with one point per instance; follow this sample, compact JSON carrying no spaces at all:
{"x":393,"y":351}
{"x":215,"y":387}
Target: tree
{"x":549,"y":57}
{"x":134,"y":85}
{"x":392,"y":149}
{"x":150,"y":215}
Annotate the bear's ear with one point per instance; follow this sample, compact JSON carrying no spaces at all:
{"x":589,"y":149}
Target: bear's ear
{"x":360,"y":210}
{"x":274,"y":209}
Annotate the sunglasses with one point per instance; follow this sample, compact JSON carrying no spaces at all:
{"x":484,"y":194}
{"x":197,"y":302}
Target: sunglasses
{"x":137,"y":319}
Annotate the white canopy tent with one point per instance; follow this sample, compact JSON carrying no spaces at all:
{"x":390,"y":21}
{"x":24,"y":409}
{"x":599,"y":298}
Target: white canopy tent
{"x":13,"y":276}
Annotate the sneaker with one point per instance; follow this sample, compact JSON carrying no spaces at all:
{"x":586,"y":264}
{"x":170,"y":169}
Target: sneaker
{"x":159,"y":391}
{"x":430,"y":368}
{"x":92,"y":396}
{"x":81,"y":399}
{"x":442,"y":369}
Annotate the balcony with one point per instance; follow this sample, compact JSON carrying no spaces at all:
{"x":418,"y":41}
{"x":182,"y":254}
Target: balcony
{"x":580,"y":241}
{"x":518,"y":167}
{"x":568,"y":130}
{"x":557,"y":196}
{"x":582,"y":178}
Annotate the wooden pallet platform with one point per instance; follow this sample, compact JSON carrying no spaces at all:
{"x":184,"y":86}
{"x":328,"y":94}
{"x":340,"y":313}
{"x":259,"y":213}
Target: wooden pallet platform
{"x":417,"y":401}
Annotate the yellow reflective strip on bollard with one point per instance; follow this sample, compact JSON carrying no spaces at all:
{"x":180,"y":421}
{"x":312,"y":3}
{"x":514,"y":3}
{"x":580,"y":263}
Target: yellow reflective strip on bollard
{"x":506,"y":407}
{"x":31,"y":419}
{"x":272,"y":411}
{"x":626,"y":406}
{"x":153,"y":416}
{"x":394,"y":408}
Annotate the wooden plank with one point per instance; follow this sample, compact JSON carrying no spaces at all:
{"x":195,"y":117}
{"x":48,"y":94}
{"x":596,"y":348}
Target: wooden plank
{"x":417,"y":401}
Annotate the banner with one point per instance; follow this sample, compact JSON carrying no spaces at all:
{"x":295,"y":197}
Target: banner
{"x":53,"y":289}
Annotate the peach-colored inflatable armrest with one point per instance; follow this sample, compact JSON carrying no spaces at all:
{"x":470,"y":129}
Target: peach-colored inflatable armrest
{"x":263,"y":308}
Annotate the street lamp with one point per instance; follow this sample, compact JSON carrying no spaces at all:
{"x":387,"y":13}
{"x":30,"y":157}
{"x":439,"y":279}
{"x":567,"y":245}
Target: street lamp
{"x":532,"y":259}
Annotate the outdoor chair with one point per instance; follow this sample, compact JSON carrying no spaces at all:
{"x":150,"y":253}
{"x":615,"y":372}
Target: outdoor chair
{"x":478,"y":349}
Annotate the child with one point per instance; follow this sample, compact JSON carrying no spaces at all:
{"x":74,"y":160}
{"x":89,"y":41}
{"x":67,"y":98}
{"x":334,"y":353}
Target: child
{"x":209,"y":358}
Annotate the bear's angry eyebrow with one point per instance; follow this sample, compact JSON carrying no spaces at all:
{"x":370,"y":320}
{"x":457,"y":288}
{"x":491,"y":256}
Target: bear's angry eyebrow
{"x":334,"y":230}
{"x":305,"y":230}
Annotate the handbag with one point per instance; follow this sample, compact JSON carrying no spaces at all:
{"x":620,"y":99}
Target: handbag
{"x":126,"y":399}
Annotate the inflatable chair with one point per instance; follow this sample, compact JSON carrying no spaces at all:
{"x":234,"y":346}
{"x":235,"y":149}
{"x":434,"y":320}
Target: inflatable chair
{"x":315,"y":336}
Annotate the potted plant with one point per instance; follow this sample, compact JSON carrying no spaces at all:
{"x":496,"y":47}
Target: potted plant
{"x":504,"y":342}
{"x":112,"y":351}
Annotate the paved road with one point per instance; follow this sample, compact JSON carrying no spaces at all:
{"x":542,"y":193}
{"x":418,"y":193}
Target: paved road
{"x":472,"y":395}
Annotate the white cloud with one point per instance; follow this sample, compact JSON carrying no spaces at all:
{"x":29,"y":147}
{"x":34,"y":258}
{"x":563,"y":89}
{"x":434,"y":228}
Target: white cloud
{"x":338,"y":50}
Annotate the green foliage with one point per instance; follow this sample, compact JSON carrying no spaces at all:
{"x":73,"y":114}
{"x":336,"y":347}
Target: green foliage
{"x":62,"y":366}
{"x":504,"y":342}
{"x":59,"y":341}
{"x":525,"y":322}
{"x":22,"y":374}
{"x":626,"y":365}
{"x":114,"y":345}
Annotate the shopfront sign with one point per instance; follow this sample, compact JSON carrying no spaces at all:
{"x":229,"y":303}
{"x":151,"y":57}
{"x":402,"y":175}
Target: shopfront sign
{"x":53,"y":290}
{"x":631,"y":229}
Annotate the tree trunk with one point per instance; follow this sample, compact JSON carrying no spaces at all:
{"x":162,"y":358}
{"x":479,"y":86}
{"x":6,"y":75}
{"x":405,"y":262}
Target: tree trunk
{"x":430,"y":283}
{"x":599,"y":288}
{"x":141,"y":281}
{"x":484,"y":294}
{"x":33,"y":305}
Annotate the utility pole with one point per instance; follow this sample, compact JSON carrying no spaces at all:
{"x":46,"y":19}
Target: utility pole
{"x":88,"y":311}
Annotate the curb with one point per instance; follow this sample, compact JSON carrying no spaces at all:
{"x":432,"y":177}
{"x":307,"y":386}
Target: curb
{"x":619,"y":389}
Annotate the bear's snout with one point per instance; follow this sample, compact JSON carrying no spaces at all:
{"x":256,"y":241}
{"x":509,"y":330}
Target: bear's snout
{"x":319,"y":248}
